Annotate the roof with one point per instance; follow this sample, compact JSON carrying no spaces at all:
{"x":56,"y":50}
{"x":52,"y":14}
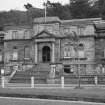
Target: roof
{"x":14,"y":27}
{"x":48,"y":20}
{"x":80,"y":21}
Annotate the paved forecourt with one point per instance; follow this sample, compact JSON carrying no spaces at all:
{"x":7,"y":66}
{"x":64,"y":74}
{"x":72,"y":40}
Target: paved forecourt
{"x":30,"y":101}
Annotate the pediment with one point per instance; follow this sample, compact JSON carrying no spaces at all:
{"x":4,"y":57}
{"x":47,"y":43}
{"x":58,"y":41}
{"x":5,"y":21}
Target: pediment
{"x":45,"y":34}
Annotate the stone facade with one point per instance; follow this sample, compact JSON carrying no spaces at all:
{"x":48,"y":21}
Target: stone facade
{"x":66,"y":44}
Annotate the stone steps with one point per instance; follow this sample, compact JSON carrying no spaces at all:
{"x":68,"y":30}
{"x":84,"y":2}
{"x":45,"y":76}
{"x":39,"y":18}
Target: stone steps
{"x":40,"y":73}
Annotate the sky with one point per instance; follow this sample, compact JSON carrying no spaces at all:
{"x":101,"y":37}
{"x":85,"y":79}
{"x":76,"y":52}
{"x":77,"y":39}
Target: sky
{"x":6,"y":5}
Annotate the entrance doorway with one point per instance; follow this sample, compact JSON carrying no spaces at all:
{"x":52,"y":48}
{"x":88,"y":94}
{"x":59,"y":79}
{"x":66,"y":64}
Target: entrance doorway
{"x":46,"y":54}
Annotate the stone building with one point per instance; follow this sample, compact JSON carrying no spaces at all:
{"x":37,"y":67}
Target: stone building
{"x":66,"y":46}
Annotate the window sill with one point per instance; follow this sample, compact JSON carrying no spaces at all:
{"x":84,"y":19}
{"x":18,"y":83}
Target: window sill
{"x":68,"y":58}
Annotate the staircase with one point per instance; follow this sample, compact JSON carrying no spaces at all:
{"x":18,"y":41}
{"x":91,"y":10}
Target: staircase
{"x":39,"y":71}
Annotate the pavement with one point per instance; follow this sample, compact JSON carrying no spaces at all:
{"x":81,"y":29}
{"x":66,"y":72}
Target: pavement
{"x":30,"y":101}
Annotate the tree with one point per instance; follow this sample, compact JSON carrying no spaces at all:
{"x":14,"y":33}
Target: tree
{"x":101,"y":5}
{"x":57,"y":9}
{"x":81,"y":8}
{"x":32,"y":12}
{"x":28,"y":6}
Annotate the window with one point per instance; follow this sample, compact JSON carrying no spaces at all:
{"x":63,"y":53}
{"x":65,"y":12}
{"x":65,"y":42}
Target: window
{"x":26,"y":34}
{"x":68,"y":69}
{"x":0,"y":55}
{"x":15,"y":53}
{"x":26,"y":52}
{"x":69,"y":51}
{"x":81,"y":51}
{"x":15,"y":35}
{"x":66,"y":52}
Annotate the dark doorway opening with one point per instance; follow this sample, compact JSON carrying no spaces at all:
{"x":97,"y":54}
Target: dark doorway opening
{"x":46,"y":54}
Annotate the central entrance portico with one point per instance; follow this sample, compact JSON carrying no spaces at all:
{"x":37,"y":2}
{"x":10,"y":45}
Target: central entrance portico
{"x":44,"y":48}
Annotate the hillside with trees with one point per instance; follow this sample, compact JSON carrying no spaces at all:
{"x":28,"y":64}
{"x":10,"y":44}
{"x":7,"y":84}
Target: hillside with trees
{"x":77,"y":9}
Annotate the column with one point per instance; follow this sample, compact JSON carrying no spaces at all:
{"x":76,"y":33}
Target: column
{"x":53,"y":52}
{"x":36,"y":54}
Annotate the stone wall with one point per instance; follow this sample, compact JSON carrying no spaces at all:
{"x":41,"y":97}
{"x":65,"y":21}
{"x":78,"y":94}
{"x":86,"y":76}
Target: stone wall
{"x":8,"y":49}
{"x":89,"y":50}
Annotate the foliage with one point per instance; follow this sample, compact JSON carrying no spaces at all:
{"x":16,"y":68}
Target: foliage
{"x":76,"y":9}
{"x":56,"y":9}
{"x":83,"y":9}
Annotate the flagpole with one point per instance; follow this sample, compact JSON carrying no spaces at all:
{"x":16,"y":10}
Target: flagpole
{"x":45,"y":10}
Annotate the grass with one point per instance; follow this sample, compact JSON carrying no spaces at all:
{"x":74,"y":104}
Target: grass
{"x":92,"y":94}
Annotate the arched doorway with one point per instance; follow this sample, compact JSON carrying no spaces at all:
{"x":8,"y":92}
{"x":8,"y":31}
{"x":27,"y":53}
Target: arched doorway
{"x":46,"y":54}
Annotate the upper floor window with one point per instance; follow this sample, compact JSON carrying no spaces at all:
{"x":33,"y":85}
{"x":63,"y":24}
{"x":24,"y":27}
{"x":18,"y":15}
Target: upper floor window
{"x":14,"y":34}
{"x":26,"y":34}
{"x":69,"y":51}
{"x":81,"y":30}
{"x":81,"y":53}
{"x":26,"y":52}
{"x":1,"y":55}
{"x":15,"y":53}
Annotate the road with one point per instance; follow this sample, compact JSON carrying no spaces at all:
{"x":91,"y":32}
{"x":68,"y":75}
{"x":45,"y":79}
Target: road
{"x":30,"y":101}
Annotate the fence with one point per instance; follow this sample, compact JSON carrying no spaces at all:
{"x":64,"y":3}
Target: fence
{"x":85,"y":79}
{"x":69,"y":81}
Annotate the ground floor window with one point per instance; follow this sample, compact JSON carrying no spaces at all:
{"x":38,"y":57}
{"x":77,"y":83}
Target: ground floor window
{"x":81,"y":69}
{"x":68,"y":69}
